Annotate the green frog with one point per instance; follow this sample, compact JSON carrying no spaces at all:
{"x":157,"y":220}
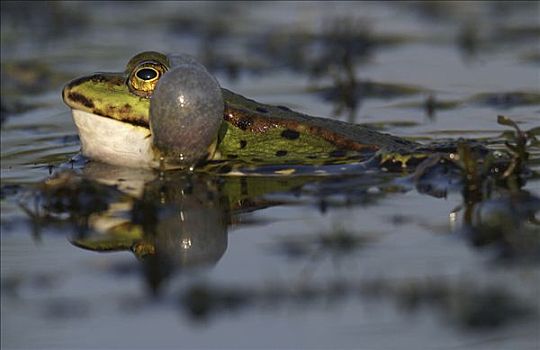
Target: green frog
{"x":169,"y":112}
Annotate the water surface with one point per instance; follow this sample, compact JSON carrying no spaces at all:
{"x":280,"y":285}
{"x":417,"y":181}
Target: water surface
{"x":367,"y":262}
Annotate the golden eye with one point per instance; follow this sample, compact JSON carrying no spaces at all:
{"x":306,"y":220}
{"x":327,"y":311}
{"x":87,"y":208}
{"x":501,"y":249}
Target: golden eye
{"x":143,"y":79}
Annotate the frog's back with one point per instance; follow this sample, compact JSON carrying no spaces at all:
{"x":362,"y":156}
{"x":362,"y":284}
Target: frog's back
{"x":258,"y":118}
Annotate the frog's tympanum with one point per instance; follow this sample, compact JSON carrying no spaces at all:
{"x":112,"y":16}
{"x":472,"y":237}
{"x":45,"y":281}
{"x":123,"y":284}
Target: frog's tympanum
{"x":167,"y":111}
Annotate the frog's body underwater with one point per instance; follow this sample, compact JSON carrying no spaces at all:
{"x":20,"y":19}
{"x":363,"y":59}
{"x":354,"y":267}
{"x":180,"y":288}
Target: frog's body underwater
{"x":168,"y":112}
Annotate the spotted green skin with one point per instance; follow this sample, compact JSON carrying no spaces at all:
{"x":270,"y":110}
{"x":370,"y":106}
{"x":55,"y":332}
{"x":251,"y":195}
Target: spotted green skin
{"x":252,"y":134}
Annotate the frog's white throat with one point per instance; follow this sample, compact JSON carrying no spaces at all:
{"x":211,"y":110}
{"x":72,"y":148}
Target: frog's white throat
{"x":115,"y":142}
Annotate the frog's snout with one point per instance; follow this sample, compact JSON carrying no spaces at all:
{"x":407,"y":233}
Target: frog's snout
{"x":67,"y":95}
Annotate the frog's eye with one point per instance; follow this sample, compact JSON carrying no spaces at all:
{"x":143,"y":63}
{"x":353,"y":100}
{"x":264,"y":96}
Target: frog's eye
{"x":147,"y":74}
{"x":144,"y":78}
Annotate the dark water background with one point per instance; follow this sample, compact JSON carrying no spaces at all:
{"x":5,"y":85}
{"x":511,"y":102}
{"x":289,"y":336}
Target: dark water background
{"x":338,"y":264}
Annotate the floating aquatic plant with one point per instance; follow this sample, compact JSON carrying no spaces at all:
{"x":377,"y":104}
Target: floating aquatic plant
{"x":506,"y":169}
{"x":519,"y":149}
{"x":497,"y":212}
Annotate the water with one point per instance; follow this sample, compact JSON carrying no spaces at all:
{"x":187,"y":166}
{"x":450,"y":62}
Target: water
{"x":325,"y":263}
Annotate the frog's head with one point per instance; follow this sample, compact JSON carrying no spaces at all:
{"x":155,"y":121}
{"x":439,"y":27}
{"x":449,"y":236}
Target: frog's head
{"x":169,"y":106}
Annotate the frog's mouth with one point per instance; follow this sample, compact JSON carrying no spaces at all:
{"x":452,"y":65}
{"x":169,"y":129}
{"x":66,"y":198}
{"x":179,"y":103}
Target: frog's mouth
{"x":113,"y":141}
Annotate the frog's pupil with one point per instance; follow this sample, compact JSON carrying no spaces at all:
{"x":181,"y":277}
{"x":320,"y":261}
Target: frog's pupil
{"x":146,"y":74}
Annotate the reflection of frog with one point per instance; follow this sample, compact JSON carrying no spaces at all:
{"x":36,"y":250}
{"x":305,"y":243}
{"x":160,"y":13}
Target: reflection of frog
{"x":169,"y":223}
{"x":169,"y":112}
{"x":174,"y":221}
{"x":174,"y":215}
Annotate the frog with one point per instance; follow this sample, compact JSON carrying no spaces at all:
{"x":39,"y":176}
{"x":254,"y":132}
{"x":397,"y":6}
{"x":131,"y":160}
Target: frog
{"x":166,"y":111}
